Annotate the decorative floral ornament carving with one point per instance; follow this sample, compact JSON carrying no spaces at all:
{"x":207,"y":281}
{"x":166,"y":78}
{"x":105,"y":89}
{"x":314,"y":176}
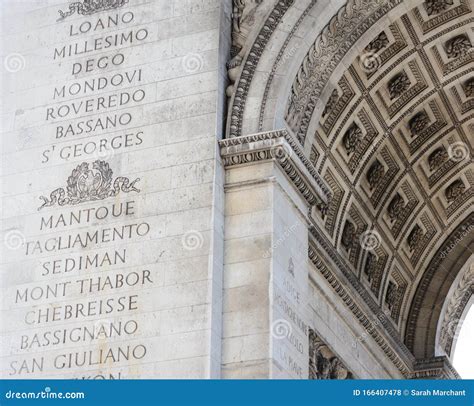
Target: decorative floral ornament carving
{"x":469,"y":88}
{"x":454,"y":190}
{"x":89,"y":184}
{"x":370,"y":265}
{"x":88,"y":7}
{"x":437,"y":158}
{"x":458,"y":46}
{"x":348,"y":235}
{"x":419,"y":122}
{"x":323,"y":364}
{"x":449,"y":326}
{"x":243,"y":19}
{"x":331,"y":104}
{"x":375,"y":174}
{"x":395,"y":207}
{"x":398,"y":85}
{"x":380,"y":42}
{"x":434,"y":7}
{"x":414,"y":238}
{"x":352,"y":138}
{"x":391,"y":295}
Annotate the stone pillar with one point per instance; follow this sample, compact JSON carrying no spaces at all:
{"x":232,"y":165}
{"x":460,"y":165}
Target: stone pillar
{"x":112,"y":216}
{"x":265,"y":310}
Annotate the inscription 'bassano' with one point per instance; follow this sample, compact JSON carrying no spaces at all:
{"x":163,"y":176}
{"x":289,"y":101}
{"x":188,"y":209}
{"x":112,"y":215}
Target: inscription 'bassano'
{"x":86,"y":184}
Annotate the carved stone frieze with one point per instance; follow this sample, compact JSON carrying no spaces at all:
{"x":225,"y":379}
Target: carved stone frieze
{"x":323,"y":364}
{"x":280,"y":147}
{"x":88,"y":7}
{"x":455,"y":307}
{"x":250,"y":64}
{"x":434,"y":368}
{"x":401,"y":357}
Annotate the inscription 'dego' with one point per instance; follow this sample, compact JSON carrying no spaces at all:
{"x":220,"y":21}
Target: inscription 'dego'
{"x":67,"y":312}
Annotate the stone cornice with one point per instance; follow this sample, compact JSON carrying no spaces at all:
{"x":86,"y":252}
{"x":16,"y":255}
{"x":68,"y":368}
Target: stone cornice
{"x":434,"y":368}
{"x":280,"y":147}
{"x":400,"y":356}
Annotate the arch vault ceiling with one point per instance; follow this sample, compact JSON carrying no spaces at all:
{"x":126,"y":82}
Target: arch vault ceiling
{"x":381,"y":101}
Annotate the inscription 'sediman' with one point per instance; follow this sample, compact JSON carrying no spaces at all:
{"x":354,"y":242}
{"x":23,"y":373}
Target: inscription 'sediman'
{"x":88,"y":7}
{"x":85,"y":185}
